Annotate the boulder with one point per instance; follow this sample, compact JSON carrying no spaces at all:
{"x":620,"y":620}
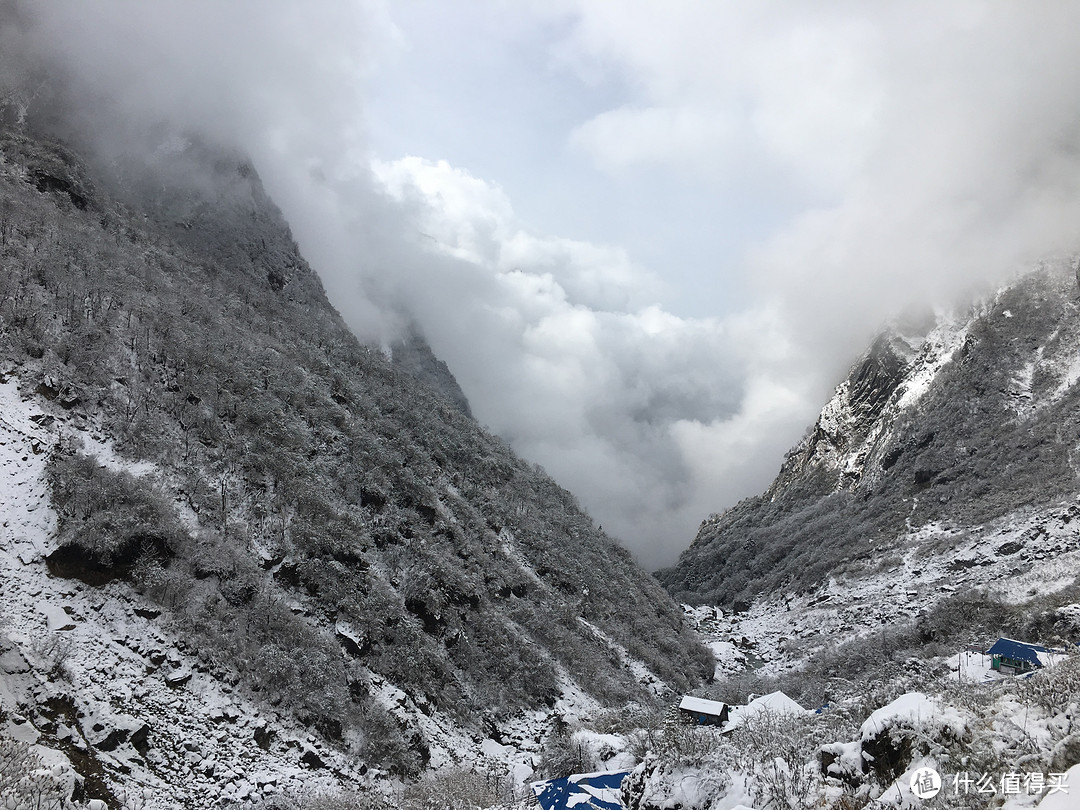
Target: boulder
{"x":13,"y":663}
{"x":178,"y":677}
{"x":56,"y":618}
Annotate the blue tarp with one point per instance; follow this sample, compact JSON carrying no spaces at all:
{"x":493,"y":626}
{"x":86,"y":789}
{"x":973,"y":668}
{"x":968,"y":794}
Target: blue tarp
{"x":1017,"y":651}
{"x":585,"y":791}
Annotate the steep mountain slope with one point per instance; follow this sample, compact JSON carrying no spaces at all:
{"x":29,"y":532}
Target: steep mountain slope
{"x":320,"y":529}
{"x":937,"y":431}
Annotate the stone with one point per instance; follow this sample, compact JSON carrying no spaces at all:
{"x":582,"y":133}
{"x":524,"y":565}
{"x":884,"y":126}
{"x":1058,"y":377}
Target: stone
{"x":178,"y":677}
{"x":56,"y":618}
{"x":311,"y":758}
{"x":13,"y":663}
{"x":113,"y":740}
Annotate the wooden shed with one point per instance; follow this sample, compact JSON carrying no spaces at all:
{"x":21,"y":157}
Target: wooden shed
{"x":703,"y":712}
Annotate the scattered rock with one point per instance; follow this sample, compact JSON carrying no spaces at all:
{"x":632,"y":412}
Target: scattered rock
{"x":178,"y":677}
{"x":140,"y":740}
{"x":1011,"y":547}
{"x":113,"y":740}
{"x":263,"y":736}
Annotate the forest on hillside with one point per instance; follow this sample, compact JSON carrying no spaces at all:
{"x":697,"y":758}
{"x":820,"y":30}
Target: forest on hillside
{"x":301,"y":482}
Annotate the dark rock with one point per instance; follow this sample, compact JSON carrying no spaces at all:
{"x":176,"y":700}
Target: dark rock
{"x":147,"y":613}
{"x":113,"y":740}
{"x":48,"y":183}
{"x":432,"y":621}
{"x":140,"y":739}
{"x":75,"y":562}
{"x":264,"y":737}
{"x":311,"y":758}
{"x":356,"y":647}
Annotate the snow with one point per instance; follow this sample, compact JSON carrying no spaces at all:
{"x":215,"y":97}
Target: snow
{"x":942,"y":341}
{"x":56,"y":618}
{"x":863,"y":601}
{"x":608,"y":749}
{"x":107,"y":657}
{"x":1067,"y":798}
{"x":913,"y":709}
{"x":774,"y":703}
{"x":972,"y":667}
{"x":899,"y":793}
{"x":729,"y":658}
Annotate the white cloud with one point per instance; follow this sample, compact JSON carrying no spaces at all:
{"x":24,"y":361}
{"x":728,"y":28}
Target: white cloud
{"x":927,"y":148}
{"x":558,"y":350}
{"x":619,"y":138}
{"x":830,"y":162}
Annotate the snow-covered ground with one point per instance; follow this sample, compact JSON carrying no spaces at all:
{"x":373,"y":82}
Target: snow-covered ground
{"x":109,"y":694}
{"x":1033,"y":551}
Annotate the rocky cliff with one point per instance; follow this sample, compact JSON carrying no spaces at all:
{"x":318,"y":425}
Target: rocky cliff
{"x":956,"y":425}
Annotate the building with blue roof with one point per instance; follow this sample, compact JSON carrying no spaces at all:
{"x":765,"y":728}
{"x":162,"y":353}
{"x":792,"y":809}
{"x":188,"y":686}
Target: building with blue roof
{"x":1017,"y":657}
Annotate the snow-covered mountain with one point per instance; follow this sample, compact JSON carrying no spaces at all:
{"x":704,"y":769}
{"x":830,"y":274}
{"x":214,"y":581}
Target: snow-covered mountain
{"x":942,"y":437}
{"x":243,"y":554}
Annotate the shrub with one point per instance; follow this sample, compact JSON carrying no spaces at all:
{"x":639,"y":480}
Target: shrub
{"x":25,"y":784}
{"x":459,"y":789}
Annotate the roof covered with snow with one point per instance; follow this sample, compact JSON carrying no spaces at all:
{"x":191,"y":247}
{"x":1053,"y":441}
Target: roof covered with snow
{"x":702,"y":706}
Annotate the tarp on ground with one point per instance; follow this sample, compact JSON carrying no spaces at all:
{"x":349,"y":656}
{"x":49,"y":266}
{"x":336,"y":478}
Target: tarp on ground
{"x":583,"y":791}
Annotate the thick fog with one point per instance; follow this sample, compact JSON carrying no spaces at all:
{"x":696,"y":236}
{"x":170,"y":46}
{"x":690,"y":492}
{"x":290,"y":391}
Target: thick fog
{"x":670,"y":227}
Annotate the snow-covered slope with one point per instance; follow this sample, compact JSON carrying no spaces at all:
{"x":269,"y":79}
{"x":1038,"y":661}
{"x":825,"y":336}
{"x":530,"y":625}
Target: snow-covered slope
{"x":973,"y":422}
{"x":91,"y":673}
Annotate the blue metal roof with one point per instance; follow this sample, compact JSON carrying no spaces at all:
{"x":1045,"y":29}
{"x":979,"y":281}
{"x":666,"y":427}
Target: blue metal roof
{"x":1017,"y":650}
{"x":588,"y":791}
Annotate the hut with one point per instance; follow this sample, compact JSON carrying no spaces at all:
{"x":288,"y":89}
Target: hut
{"x":701,"y":712}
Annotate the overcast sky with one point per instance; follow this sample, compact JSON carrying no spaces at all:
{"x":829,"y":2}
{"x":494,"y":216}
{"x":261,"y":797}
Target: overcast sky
{"x":647,"y":237}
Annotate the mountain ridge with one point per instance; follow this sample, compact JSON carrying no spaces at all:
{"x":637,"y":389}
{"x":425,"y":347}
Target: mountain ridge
{"x":960,"y":423}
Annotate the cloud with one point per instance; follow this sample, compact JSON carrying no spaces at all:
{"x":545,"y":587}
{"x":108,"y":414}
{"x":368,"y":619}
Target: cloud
{"x":809,"y":169}
{"x":552,"y":340}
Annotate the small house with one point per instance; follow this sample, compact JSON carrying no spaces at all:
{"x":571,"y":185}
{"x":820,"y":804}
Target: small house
{"x":701,"y":712}
{"x":1017,"y":657}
